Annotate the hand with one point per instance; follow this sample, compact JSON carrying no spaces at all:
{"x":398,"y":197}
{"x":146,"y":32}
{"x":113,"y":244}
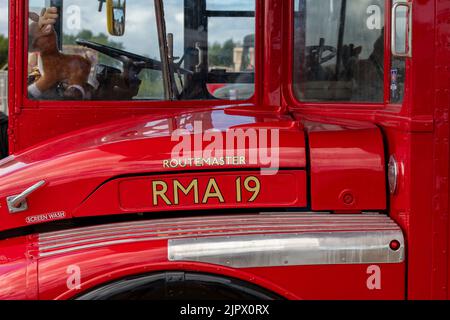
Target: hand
{"x":47,"y":19}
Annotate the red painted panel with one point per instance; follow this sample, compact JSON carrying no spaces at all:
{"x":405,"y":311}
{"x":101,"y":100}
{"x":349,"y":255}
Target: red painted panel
{"x":301,"y":282}
{"x":67,"y":263}
{"x":219,"y":190}
{"x":75,"y":164}
{"x":347,"y":166}
{"x":337,"y":282}
{"x":18,"y":270}
{"x":297,"y":282}
{"x":286,"y":189}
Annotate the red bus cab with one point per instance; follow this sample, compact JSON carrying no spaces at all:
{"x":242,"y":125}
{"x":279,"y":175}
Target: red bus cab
{"x":203,"y":149}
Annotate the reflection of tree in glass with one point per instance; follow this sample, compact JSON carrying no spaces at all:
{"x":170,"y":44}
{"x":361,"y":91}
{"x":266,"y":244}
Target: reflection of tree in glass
{"x":151,"y":86}
{"x":247,"y":63}
{"x":221,"y":55}
{"x":3,"y":50}
{"x":232,"y":55}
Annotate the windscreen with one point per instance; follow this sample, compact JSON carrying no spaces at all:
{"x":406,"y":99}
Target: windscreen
{"x":212,"y":52}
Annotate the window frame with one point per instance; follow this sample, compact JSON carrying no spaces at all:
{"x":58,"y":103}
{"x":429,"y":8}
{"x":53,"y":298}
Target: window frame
{"x":290,"y":90}
{"x":26,"y":103}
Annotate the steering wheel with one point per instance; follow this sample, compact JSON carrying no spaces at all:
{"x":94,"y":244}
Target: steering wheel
{"x":125,"y":56}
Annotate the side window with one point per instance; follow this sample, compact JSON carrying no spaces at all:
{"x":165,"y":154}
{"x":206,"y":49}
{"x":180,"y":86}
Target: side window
{"x":209,"y":52}
{"x":339,"y":50}
{"x":4,"y":59}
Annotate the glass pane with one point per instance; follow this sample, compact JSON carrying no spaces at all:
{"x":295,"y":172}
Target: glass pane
{"x":339,"y":50}
{"x":3,"y":33}
{"x":128,"y":67}
{"x":4,"y":59}
{"x":232,"y":51}
{"x":401,"y":18}
{"x":235,"y":5}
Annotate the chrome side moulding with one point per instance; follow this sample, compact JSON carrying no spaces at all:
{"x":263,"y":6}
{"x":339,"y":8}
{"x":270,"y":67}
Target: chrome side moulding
{"x":253,"y":240}
{"x":274,"y":250}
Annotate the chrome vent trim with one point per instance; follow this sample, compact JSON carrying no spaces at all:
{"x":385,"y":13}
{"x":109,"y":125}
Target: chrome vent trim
{"x":289,"y":228}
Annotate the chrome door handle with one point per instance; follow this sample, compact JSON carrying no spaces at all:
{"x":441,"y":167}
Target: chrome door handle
{"x":199,"y":49}
{"x":408,"y":29}
{"x":18,"y":203}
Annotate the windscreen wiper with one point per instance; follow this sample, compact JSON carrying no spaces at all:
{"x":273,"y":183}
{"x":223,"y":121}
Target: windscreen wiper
{"x":170,"y":88}
{"x":100,"y":5}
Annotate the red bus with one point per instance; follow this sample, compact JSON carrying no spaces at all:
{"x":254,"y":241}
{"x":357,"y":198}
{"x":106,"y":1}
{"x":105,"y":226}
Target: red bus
{"x":251,"y":149}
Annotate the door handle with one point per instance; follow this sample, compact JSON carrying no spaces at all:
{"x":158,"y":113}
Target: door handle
{"x":198,"y":47}
{"x":408,"y":29}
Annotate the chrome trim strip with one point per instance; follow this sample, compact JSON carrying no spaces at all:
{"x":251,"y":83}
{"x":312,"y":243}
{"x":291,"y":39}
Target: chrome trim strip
{"x":217,"y":230}
{"x":225,"y":228}
{"x":334,"y":236}
{"x":275,"y":250}
{"x":202,"y":227}
{"x":287,"y":218}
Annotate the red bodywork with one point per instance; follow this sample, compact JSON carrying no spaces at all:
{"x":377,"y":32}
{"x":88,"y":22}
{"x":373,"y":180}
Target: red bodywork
{"x":142,"y":252}
{"x":84,"y":187}
{"x":333,"y":158}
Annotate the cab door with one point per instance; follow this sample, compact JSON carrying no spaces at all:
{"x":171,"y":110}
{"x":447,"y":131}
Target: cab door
{"x":351,"y":66}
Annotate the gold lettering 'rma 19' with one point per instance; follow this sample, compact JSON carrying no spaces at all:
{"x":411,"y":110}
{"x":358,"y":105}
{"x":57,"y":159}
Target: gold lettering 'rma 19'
{"x":162,"y":195}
